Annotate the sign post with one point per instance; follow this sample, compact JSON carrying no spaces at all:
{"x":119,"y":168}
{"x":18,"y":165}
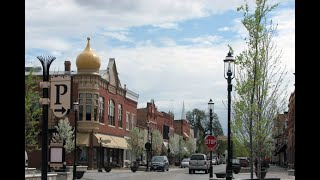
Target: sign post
{"x":211,"y":142}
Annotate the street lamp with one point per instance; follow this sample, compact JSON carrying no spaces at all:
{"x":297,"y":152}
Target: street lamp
{"x":75,"y":109}
{"x":45,"y":62}
{"x":229,"y":75}
{"x":210,"y":106}
{"x":100,"y":152}
{"x":147,"y":149}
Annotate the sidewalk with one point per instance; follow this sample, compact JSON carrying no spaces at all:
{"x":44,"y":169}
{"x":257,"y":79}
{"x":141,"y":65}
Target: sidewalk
{"x":273,"y":172}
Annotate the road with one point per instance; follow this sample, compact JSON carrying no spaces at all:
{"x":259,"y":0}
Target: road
{"x":173,"y":173}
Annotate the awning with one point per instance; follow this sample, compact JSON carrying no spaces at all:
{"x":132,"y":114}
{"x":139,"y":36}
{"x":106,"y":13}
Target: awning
{"x":165,"y":144}
{"x":83,"y":139}
{"x":121,"y":142}
{"x":107,"y":141}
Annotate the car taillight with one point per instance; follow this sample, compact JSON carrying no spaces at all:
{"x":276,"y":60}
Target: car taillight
{"x":205,"y":163}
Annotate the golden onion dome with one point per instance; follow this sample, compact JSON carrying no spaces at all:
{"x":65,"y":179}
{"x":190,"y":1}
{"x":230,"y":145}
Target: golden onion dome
{"x":88,"y":60}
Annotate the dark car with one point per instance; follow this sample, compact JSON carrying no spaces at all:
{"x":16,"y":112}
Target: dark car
{"x":159,"y":163}
{"x":244,"y":162}
{"x":236,"y":166}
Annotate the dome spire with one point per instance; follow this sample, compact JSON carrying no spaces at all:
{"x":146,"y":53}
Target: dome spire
{"x":88,"y":44}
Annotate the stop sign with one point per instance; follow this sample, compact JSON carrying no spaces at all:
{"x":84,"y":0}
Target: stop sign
{"x":211,"y":142}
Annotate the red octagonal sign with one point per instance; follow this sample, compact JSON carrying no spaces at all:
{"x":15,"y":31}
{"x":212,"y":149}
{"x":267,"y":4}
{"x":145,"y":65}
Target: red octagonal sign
{"x":211,"y":142}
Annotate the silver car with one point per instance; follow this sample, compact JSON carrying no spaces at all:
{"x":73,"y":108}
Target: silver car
{"x":185,"y":162}
{"x":199,"y":162}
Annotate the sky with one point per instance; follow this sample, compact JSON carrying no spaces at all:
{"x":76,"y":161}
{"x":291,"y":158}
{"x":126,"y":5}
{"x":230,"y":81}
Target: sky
{"x":168,"y":51}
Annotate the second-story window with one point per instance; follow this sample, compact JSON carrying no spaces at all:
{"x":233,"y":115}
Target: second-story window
{"x":133,"y":121}
{"x":88,"y":107}
{"x":127,"y":120}
{"x":120,"y":115}
{"x":101,"y":109}
{"x":111,"y":120}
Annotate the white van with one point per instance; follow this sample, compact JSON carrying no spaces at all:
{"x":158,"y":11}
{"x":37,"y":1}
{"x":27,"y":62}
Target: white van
{"x":26,"y":159}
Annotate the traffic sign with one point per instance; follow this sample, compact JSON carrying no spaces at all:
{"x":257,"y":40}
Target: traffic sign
{"x":211,"y":142}
{"x":60,"y":97}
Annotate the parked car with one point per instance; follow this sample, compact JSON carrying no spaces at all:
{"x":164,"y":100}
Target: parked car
{"x":198,"y":162}
{"x":236,"y":166}
{"x":159,"y":163}
{"x":244,"y":161}
{"x":185,"y":162}
{"x":25,"y":159}
{"x":214,"y":161}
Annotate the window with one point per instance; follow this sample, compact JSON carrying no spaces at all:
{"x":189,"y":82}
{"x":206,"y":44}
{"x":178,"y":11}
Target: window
{"x":83,"y":154}
{"x":101,"y":109}
{"x":120,"y":115}
{"x":127,"y":121}
{"x":88,"y":106}
{"x":111,"y":113}
{"x":133,"y":121}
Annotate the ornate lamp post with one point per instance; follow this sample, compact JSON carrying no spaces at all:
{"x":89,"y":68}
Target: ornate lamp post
{"x":45,"y":62}
{"x":100,"y":155}
{"x":75,"y":108}
{"x":229,"y":75}
{"x":210,"y":106}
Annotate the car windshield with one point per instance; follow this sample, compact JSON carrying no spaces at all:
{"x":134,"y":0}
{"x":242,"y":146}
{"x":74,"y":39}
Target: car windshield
{"x":157,"y":159}
{"x":185,"y":160}
{"x":197,"y":157}
{"x":235,"y":161}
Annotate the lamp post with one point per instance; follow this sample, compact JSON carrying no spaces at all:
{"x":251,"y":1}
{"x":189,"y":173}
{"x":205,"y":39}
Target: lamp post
{"x":229,"y":75}
{"x":75,"y":109}
{"x":45,"y":62}
{"x":147,"y":169}
{"x":210,"y":106}
{"x":100,"y":155}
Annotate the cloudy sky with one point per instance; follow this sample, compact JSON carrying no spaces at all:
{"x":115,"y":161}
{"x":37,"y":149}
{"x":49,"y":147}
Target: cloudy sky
{"x":169,"y":51}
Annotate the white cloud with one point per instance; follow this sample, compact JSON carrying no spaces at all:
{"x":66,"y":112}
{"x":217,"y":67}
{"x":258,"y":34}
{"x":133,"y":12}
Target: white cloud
{"x":224,"y":29}
{"x":167,"y":25}
{"x":121,"y":36}
{"x":204,"y":40}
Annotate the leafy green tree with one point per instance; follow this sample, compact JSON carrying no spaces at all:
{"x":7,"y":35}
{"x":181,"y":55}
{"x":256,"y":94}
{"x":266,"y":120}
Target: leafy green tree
{"x":221,"y":147}
{"x":157,"y":142}
{"x":260,"y":93}
{"x":66,"y":132}
{"x":32,"y":113}
{"x":191,"y":146}
{"x":239,"y":150}
{"x":136,"y":141}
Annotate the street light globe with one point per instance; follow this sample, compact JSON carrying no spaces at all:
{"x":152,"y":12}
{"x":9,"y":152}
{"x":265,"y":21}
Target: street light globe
{"x":229,"y":66}
{"x":210,"y":105}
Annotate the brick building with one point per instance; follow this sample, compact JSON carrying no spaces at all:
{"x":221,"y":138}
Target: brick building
{"x":107,"y":110}
{"x":150,"y":116}
{"x":280,"y":139}
{"x":291,"y":130}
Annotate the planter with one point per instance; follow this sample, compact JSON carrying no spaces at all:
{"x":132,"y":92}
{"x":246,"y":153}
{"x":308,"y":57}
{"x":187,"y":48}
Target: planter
{"x":263,"y":173}
{"x":107,"y":168}
{"x":79,"y":174}
{"x":134,"y":168}
{"x":221,"y":175}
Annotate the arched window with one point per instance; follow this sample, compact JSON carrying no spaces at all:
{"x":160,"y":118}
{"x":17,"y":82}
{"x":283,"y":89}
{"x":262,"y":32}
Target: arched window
{"x":111,"y":120}
{"x":120,"y":115}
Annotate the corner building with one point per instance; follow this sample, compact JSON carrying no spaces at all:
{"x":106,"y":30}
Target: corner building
{"x":107,"y":110}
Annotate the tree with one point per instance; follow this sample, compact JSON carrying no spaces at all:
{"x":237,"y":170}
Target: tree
{"x":136,"y":141}
{"x":239,"y":150}
{"x":32,"y":113}
{"x":200,"y":121}
{"x":157,"y":142}
{"x":191,"y":146}
{"x":66,"y":133}
{"x":260,"y":94}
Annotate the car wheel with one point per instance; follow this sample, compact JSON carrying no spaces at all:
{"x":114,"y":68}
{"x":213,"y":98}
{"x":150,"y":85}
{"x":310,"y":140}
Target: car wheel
{"x":206,"y":171}
{"x":190,"y":172}
{"x":193,"y":171}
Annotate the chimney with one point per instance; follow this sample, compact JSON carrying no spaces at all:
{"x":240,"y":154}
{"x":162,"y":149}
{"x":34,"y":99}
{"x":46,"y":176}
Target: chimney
{"x":67,"y":66}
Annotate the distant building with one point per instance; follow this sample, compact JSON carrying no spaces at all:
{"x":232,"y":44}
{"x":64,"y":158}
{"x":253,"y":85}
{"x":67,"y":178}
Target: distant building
{"x":291,"y":131}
